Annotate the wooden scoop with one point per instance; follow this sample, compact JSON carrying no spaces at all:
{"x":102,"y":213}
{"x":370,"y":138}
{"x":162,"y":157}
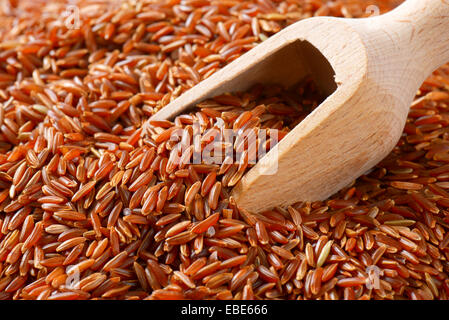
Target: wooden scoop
{"x":370,"y":69}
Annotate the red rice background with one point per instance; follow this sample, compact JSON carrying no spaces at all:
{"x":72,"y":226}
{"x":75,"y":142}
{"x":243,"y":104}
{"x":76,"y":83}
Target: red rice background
{"x":73,"y":164}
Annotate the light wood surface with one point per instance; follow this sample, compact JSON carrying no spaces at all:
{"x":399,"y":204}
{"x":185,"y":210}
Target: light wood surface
{"x":370,"y":68}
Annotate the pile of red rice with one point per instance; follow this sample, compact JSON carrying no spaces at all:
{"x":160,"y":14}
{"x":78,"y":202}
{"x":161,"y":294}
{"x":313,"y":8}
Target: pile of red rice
{"x":93,"y":207}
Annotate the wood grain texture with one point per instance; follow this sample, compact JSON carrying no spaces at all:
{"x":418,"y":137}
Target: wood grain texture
{"x":378,"y":63}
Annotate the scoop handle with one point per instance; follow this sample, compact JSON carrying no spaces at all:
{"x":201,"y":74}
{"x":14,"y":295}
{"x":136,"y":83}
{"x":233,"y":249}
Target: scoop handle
{"x":421,"y":30}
